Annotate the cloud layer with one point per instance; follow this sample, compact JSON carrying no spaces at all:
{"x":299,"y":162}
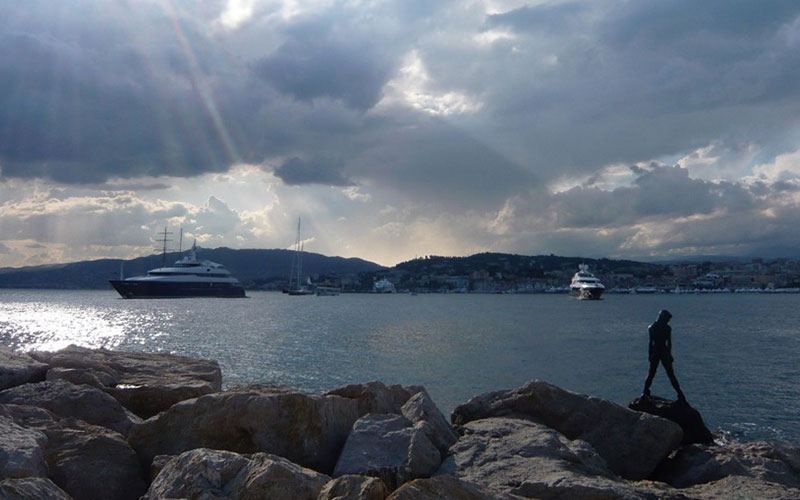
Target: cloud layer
{"x":395,"y":129}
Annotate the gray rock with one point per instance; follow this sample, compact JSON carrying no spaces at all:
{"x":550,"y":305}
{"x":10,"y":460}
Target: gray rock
{"x":31,"y":488}
{"x":145,"y":383}
{"x":221,"y":475}
{"x":88,"y":462}
{"x":21,"y":451}
{"x":389,"y":447}
{"x":420,"y":408}
{"x":530,"y":460}
{"x":376,"y":397}
{"x":309,"y":430}
{"x":698,"y":464}
{"x":741,"y":488}
{"x":632,"y":443}
{"x":446,"y":487}
{"x":68,"y":400}
{"x":353,"y":487}
{"x":17,"y":368}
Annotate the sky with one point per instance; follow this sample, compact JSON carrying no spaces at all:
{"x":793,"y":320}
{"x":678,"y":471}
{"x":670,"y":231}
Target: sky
{"x":396,"y":129}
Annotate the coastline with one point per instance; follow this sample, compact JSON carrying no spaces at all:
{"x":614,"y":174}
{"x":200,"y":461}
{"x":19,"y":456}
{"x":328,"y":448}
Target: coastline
{"x":68,"y":411}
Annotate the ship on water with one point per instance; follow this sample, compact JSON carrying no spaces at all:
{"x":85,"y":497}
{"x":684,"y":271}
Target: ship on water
{"x":188,"y":277}
{"x":585,"y":285}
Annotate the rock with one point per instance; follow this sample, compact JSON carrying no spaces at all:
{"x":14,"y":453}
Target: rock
{"x":530,"y":460}
{"x":690,"y":420}
{"x":88,"y":462}
{"x":204,"y":473}
{"x":446,"y":487}
{"x":698,"y":464}
{"x":420,"y":408}
{"x":632,"y":443}
{"x":68,"y":400}
{"x":309,"y":430}
{"x":17,"y":368}
{"x":741,"y":488}
{"x":31,"y":488}
{"x":21,"y":451}
{"x":352,"y":487}
{"x":145,"y":383}
{"x":389,"y":447}
{"x":376,"y":397}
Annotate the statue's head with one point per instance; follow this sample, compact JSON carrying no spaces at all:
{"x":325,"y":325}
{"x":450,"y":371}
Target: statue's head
{"x":664,"y":315}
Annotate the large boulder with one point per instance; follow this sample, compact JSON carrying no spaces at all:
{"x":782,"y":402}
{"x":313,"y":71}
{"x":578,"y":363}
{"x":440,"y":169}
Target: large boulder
{"x":68,"y":400}
{"x":447,"y":487}
{"x":420,"y":408}
{"x":309,"y":430}
{"x":389,"y":447}
{"x":145,"y":383}
{"x":377,"y":397}
{"x":21,"y":451}
{"x":17,"y":368}
{"x":530,"y":460}
{"x":632,"y":443}
{"x":680,"y":412}
{"x":224,"y":475}
{"x":88,"y":462}
{"x":698,"y":464}
{"x":31,"y":488}
{"x":354,"y":487}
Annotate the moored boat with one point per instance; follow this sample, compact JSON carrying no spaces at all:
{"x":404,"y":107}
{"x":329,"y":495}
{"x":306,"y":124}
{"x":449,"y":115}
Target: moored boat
{"x":585,"y":285}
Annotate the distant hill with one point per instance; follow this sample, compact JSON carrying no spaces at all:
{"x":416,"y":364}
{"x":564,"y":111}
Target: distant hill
{"x":252,"y":267}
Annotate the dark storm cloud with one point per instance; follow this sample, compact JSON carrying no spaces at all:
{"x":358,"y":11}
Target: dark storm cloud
{"x":315,"y":171}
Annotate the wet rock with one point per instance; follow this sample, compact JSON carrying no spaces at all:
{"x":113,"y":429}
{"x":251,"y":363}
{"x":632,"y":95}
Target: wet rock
{"x":632,"y":443}
{"x":354,"y":487}
{"x":420,"y":408}
{"x":88,"y":462}
{"x":389,"y":447}
{"x":17,"y":368}
{"x":698,"y":464}
{"x":376,"y":397}
{"x":68,"y":400}
{"x":690,"y":420}
{"x":530,"y":460}
{"x":223,"y":475}
{"x":309,"y":430}
{"x":21,"y":451}
{"x":449,"y":487}
{"x":32,"y":488}
{"x":145,"y":383}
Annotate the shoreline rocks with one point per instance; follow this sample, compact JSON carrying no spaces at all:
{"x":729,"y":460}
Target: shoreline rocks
{"x":70,"y":428}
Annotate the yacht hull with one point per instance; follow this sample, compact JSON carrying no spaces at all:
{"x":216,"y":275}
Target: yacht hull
{"x":133,"y":289}
{"x":587,"y":293}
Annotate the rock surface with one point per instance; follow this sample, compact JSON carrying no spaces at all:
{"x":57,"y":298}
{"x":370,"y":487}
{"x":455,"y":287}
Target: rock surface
{"x":221,"y":475}
{"x":389,"y":447}
{"x":309,"y":430}
{"x":86,"y":461}
{"x":421,"y":408}
{"x":377,"y":397}
{"x":354,"y":487}
{"x":690,"y":420}
{"x":741,"y":488}
{"x":68,"y":400}
{"x":21,"y":451}
{"x":632,"y":443}
{"x":32,"y":488}
{"x":446,"y":487}
{"x":17,"y":368}
{"x":145,"y":383}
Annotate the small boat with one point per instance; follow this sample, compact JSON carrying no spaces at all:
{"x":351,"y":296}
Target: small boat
{"x":585,"y":285}
{"x":188,"y":277}
{"x":383,"y":286}
{"x":327,"y":290}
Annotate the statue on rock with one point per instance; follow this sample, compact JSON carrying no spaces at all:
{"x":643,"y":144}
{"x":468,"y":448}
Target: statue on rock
{"x":660,"y":351}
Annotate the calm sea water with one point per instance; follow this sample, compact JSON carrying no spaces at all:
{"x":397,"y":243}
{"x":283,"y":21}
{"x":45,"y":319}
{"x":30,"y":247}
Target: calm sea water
{"x":736,"y":355}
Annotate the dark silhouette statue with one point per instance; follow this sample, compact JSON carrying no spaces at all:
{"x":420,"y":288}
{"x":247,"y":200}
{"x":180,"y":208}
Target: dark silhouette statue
{"x":660,"y":351}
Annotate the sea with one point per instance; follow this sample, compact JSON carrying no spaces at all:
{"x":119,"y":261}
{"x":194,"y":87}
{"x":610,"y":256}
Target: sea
{"x":736,"y":355}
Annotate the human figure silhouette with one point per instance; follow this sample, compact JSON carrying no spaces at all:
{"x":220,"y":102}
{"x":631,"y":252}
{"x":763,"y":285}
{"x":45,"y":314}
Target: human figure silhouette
{"x":660,"y":350}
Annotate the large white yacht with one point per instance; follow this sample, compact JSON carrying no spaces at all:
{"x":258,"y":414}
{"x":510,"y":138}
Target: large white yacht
{"x":585,"y":285}
{"x":189,"y":277}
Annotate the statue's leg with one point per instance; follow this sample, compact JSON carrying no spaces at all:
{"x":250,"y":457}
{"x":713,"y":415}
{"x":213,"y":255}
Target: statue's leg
{"x":650,"y":375}
{"x":673,"y":379}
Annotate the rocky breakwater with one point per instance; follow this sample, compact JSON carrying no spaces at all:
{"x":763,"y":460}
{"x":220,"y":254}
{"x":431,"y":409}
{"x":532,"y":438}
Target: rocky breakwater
{"x":98,"y":424}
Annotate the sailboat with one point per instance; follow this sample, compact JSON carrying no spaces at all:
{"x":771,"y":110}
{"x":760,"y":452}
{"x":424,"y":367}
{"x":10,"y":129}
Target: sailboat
{"x":296,"y":287}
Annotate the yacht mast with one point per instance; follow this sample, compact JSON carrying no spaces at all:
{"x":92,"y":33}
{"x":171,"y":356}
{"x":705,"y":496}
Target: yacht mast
{"x":164,"y":240}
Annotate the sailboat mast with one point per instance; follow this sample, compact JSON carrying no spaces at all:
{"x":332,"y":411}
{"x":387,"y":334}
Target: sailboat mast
{"x":164,"y":240}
